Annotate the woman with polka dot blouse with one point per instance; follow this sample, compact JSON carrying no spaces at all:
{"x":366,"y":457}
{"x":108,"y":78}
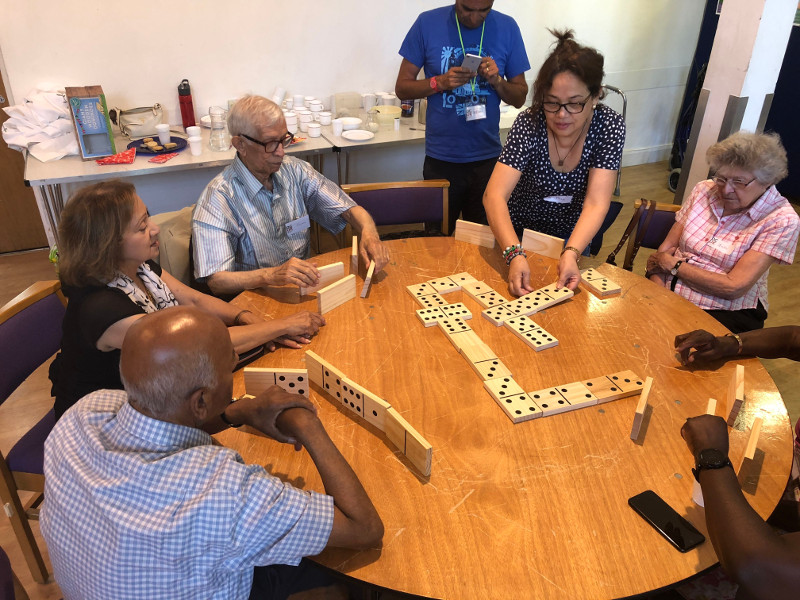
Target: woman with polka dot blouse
{"x":559,"y":165}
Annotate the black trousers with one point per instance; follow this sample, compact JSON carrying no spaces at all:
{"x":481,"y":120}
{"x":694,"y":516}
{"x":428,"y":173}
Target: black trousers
{"x":278,"y":582}
{"x":739,"y":321}
{"x":467,"y":184}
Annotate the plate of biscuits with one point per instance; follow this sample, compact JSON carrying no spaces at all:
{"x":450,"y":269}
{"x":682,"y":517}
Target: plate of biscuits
{"x":151,"y":145}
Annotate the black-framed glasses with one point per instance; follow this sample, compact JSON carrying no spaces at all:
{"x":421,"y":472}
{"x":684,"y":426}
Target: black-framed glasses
{"x":737,"y":184}
{"x":272,"y":145}
{"x":572,"y":108}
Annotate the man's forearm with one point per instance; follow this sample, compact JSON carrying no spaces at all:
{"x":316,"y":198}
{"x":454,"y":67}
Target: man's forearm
{"x":413,"y":89}
{"x":764,"y":563}
{"x":511,"y":92}
{"x":772,"y":342}
{"x":233,"y":282}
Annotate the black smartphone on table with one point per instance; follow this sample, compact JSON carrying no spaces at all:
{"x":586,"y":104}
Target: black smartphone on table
{"x":666,"y":521}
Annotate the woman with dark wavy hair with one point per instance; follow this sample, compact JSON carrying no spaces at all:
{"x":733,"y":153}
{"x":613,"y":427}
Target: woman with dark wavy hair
{"x":106,"y":244}
{"x":559,"y":165}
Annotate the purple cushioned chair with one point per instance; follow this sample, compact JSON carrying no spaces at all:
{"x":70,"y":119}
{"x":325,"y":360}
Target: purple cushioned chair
{"x":30,"y":333}
{"x":403,"y":202}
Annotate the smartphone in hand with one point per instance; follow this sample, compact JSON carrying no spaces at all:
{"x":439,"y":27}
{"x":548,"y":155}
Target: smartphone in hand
{"x":471,"y":63}
{"x":666,"y":521}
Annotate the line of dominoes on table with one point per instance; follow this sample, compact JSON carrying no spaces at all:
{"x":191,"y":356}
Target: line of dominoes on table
{"x":355,"y":398}
{"x":498,"y":380}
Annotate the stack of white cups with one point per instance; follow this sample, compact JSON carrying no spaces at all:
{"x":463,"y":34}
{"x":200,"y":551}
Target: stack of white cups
{"x":305,"y":118}
{"x":369,"y":101}
{"x":291,"y":121}
{"x":324,"y":118}
{"x":315,"y":107}
{"x":308,"y":100}
{"x":297,"y":101}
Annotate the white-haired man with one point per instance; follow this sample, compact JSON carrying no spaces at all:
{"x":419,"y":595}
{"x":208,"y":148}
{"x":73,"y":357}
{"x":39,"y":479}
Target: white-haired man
{"x":250,"y":227}
{"x":142,"y":504}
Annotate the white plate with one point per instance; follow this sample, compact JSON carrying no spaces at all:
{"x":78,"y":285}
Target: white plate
{"x":358,"y":135}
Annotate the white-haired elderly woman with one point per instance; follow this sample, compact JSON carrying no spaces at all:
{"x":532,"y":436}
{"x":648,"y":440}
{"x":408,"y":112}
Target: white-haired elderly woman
{"x":730,"y":231}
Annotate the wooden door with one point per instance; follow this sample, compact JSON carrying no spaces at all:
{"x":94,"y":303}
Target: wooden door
{"x":20,"y":224}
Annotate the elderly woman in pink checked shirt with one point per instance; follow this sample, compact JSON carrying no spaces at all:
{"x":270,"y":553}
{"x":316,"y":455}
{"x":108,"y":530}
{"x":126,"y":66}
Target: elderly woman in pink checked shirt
{"x":730,"y":231}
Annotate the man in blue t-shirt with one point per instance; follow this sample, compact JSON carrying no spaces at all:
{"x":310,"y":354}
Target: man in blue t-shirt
{"x":462,"y":141}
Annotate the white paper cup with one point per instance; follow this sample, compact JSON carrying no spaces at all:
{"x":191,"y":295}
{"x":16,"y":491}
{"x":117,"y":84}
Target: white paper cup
{"x":337,"y":127}
{"x":193,"y":131}
{"x":324,"y":118}
{"x":163,"y":133}
{"x":196,"y":145}
{"x":314,"y":130}
{"x":278,"y":95}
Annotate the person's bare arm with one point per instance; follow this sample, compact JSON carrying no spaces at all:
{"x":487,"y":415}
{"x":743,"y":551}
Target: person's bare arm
{"x":408,"y":86}
{"x":700,"y":346}
{"x":293,"y":272}
{"x":764,"y":564}
{"x":495,"y":200}
{"x":731,"y":285}
{"x":599,"y":188}
{"x":511,"y":91}
{"x":370,"y":245}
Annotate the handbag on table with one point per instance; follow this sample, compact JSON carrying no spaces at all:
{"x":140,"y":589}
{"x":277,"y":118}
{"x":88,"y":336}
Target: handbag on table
{"x":137,"y":122}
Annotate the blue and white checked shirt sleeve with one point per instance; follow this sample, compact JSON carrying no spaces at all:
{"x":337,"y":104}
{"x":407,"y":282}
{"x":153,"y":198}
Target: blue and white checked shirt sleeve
{"x":141,"y":508}
{"x":238,"y":225}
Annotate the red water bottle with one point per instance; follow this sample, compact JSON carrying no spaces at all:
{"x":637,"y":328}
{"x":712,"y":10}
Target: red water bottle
{"x":187,"y":108}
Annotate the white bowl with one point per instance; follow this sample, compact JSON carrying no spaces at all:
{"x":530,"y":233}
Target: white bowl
{"x":350,"y":122}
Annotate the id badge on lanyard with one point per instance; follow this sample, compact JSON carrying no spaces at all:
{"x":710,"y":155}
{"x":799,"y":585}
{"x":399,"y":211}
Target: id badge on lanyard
{"x":475,"y":108}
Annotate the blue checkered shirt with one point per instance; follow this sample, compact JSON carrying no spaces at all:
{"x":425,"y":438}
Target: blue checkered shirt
{"x":141,"y":508}
{"x":239,"y":225}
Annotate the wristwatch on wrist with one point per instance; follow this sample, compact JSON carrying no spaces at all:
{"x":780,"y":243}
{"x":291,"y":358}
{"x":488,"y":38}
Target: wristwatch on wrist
{"x":710,"y":458}
{"x":434,"y":84}
{"x":674,"y":270}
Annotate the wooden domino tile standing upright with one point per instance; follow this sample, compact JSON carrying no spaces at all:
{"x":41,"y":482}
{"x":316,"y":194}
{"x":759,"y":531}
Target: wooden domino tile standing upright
{"x":327,"y":274}
{"x":474,"y":233}
{"x":336,"y":294}
{"x":735,"y":395}
{"x":752,"y":442}
{"x":408,"y":441}
{"x":542,"y":244}
{"x":354,"y":257}
{"x":641,"y":407}
{"x":368,"y":279}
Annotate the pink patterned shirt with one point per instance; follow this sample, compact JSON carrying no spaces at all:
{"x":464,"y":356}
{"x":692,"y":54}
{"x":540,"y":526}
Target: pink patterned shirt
{"x":715,"y":243}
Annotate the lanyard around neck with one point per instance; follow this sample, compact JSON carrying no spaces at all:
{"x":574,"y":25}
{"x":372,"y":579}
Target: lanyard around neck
{"x":464,"y":52}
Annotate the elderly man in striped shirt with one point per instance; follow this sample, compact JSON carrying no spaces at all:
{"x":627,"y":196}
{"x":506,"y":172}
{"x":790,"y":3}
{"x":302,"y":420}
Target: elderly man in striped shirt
{"x":250,"y":227}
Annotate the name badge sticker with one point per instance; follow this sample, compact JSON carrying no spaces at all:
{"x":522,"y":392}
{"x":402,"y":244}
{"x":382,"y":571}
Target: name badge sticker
{"x":298,"y":225}
{"x":720,"y":245}
{"x":558,"y":199}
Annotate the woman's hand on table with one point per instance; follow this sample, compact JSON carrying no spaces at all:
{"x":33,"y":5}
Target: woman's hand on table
{"x":519,"y":276}
{"x":661,"y":262}
{"x":294,"y":272}
{"x":569,"y":275}
{"x":372,"y":248}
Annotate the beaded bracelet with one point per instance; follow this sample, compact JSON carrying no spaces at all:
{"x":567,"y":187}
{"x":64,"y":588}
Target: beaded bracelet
{"x":515,"y":253}
{"x":574,"y":249}
{"x":510,"y":249}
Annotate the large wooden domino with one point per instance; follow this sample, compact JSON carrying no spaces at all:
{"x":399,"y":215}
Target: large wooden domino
{"x":336,"y":294}
{"x":327,"y":275}
{"x":535,"y":337}
{"x":641,"y":407}
{"x":444,"y":285}
{"x":550,"y":401}
{"x":420,"y":289}
{"x":462,"y":278}
{"x":558,"y":295}
{"x":457,"y":310}
{"x":451,"y":325}
{"x":258,"y":379}
{"x":408,"y":441}
{"x":517,"y":405}
{"x":475,"y":289}
{"x":606,"y":390}
{"x":735,"y":395}
{"x":497,"y":314}
{"x":530,"y":303}
{"x":627,"y":381}
{"x":577,"y":394}
{"x":368,"y":279}
{"x":490,"y":369}
{"x":354,"y":257}
{"x":474,"y":233}
{"x":430,"y":316}
{"x":542,"y":244}
{"x":598,"y":283}
{"x":314,"y":366}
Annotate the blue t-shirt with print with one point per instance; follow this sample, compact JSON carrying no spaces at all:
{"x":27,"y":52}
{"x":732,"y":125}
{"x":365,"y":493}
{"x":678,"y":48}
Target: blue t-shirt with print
{"x":433,"y":43}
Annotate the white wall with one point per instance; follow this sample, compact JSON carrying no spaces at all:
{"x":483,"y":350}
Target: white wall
{"x":318,"y":47}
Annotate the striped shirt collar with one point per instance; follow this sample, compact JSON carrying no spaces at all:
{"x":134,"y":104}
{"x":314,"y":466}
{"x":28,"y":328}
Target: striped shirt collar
{"x":161,"y":436}
{"x":252,"y":185}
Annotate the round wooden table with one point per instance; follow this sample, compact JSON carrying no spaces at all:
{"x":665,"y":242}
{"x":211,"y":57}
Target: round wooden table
{"x":533,"y":510}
